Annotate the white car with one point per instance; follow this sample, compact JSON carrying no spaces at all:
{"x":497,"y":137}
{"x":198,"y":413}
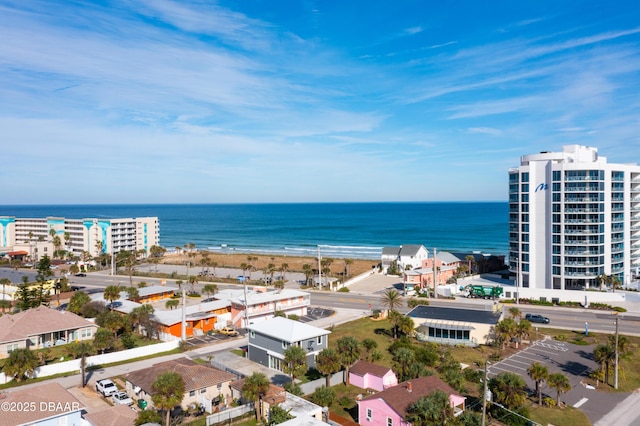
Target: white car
{"x":121,"y":398}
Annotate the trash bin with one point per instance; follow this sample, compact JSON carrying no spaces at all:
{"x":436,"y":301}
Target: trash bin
{"x":142,"y":404}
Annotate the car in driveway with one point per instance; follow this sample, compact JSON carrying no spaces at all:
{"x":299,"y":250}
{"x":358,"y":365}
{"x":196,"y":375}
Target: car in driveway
{"x":121,"y":398}
{"x":228,"y":331}
{"x":537,"y":318}
{"x":106,"y":387}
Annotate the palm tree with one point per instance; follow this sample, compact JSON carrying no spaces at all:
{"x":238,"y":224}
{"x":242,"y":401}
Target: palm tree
{"x":254,"y":388}
{"x":349,"y":353}
{"x":347,"y":266}
{"x":433,"y":409}
{"x":172,"y":303}
{"x":327,"y":363}
{"x":470,"y":259}
{"x":21,"y":364}
{"x":82,"y":350}
{"x":508,"y":389}
{"x":604,"y":355}
{"x":4,"y":282}
{"x":405,"y":325}
{"x":603,"y":280}
{"x":214,"y":265}
{"x":112,"y":293}
{"x":295,"y":362}
{"x":179,"y":284}
{"x":168,"y":391}
{"x":403,"y":359}
{"x":515,"y":313}
{"x":523,"y":329}
{"x":391,"y":299}
{"x":538,"y":373}
{"x":560,"y":383}
{"x":308,"y":272}
{"x":193,"y":280}
{"x":210,"y":289}
{"x":505,"y":330}
{"x":368,"y":345}
{"x":283,"y":269}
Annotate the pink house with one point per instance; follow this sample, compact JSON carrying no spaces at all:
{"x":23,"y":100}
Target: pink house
{"x":366,"y":375}
{"x":389,"y":407}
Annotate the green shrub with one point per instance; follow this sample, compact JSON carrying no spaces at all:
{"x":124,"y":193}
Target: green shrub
{"x":376,"y":313}
{"x":472,"y":375}
{"x":412,"y":303}
{"x":344,"y":290}
{"x":294,"y":317}
{"x":619,"y":309}
{"x":548,"y":402}
{"x":560,"y":337}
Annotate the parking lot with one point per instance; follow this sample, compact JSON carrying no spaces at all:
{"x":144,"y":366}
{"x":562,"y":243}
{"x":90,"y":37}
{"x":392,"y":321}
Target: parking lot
{"x":575,"y":361}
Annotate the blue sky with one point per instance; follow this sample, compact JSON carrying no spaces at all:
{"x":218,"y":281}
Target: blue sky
{"x":157,"y":101}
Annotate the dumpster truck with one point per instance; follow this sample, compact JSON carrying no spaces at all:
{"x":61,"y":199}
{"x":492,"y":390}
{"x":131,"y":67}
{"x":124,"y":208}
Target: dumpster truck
{"x":484,"y":291}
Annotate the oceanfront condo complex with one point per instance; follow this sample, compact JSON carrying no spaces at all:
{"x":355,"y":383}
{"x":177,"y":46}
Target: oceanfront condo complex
{"x":573,"y":218}
{"x":42,"y":236}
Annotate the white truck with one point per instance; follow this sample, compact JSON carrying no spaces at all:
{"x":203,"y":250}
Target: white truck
{"x":106,"y":387}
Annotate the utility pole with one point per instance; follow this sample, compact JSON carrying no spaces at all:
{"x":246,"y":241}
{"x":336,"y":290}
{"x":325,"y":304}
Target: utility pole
{"x":184,"y":317}
{"x":615,"y":379}
{"x":484,"y":395}
{"x":435,"y":275}
{"x":319,"y":270}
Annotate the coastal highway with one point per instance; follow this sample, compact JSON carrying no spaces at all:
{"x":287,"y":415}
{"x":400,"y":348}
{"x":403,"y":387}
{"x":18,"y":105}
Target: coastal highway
{"x":561,"y":318}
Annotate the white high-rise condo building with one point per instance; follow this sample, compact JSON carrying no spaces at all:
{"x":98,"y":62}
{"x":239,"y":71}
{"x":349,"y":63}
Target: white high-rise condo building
{"x":573,"y":218}
{"x":40,"y":236}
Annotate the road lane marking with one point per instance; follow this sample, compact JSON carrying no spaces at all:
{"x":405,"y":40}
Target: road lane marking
{"x":579,"y":403}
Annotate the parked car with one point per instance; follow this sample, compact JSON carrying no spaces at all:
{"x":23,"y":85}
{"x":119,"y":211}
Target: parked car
{"x":121,"y":398}
{"x":228,"y":331}
{"x":106,"y":387}
{"x":537,"y":318}
{"x":81,"y":274}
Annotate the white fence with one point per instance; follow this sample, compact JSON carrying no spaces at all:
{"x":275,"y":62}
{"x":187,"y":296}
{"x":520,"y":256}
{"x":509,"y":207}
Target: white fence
{"x":231,"y":413}
{"x":310,"y":387}
{"x":74,"y":365}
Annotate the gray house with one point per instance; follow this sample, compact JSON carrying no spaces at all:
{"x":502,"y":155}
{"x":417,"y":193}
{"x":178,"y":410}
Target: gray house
{"x":269,"y":339}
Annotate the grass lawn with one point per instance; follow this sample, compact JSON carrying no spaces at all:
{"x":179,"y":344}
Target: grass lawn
{"x":558,"y":416}
{"x":366,"y":328}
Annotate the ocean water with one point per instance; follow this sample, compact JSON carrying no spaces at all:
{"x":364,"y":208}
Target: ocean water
{"x":355,"y":230}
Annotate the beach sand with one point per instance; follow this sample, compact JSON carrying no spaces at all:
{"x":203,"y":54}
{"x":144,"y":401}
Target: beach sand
{"x":261,"y":261}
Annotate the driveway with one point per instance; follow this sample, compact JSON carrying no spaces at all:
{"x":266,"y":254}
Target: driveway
{"x":575,"y":361}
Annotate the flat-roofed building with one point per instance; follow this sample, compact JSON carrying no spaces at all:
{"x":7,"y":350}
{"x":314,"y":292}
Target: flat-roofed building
{"x":452,"y":326}
{"x":37,"y":236}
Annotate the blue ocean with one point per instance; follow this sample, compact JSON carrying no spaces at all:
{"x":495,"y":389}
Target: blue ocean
{"x":354,"y":230}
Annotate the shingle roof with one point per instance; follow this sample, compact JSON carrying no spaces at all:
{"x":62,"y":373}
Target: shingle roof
{"x":361,"y":368}
{"x":391,"y":250}
{"x":39,"y":320}
{"x":410,"y":249}
{"x":41,"y":394}
{"x":118,"y":415}
{"x":195,"y":376}
{"x":287,"y":330}
{"x":446,"y":257}
{"x":399,"y":397}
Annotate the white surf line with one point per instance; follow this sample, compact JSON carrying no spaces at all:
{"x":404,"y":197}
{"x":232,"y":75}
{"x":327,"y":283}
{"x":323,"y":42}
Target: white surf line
{"x":579,"y":403}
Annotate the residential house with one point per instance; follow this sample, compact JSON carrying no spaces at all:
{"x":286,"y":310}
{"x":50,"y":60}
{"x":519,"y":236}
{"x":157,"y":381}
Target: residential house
{"x":408,"y":256}
{"x":204,"y":384}
{"x":154,"y":293}
{"x":42,"y":327}
{"x":275,"y":395}
{"x":453,"y":326}
{"x":367,"y":375}
{"x":118,"y":415}
{"x":200,"y":318}
{"x":389,"y":407}
{"x":268,"y":340}
{"x":261,"y":304}
{"x":44,"y":404}
{"x":423,"y":276}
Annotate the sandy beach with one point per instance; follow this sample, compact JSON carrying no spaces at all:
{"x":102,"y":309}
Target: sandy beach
{"x":260,"y":262}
